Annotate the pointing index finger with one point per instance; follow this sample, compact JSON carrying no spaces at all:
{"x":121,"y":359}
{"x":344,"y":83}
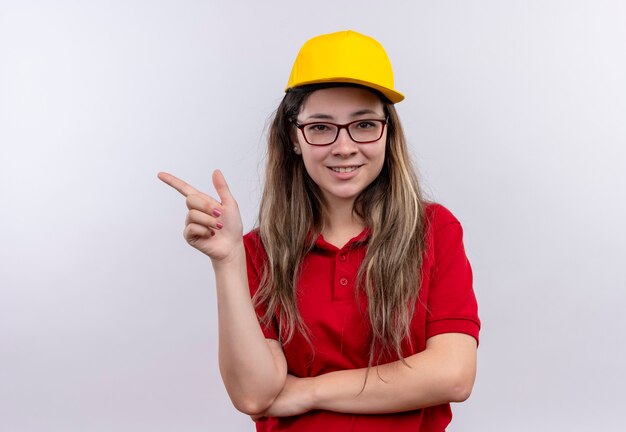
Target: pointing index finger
{"x":182,"y":187}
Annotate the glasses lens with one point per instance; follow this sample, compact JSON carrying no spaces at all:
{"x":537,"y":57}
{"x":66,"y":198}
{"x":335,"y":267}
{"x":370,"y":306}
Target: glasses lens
{"x":320,"y":133}
{"x":366,"y":130}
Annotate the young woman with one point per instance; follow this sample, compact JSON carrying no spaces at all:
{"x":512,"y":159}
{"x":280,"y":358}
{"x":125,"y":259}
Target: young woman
{"x":350,"y":307}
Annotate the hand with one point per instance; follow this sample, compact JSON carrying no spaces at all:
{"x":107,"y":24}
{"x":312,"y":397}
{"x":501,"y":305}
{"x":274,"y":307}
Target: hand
{"x":211,"y":226}
{"x":295,"y":398}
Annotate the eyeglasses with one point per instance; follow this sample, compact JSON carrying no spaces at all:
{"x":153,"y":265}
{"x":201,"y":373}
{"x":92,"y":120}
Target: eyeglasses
{"x":363,"y":131}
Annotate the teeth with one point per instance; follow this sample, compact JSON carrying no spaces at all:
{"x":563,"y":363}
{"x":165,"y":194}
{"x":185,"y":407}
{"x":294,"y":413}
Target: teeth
{"x":343,"y":170}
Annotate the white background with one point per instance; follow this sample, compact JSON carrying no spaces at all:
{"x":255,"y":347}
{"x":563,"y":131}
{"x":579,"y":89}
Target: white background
{"x":516,"y":115}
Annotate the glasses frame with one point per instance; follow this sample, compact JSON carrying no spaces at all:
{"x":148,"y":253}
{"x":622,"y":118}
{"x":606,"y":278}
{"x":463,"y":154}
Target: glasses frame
{"x":345,"y":126}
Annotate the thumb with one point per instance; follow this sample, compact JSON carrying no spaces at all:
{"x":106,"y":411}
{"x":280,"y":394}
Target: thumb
{"x":221,"y":187}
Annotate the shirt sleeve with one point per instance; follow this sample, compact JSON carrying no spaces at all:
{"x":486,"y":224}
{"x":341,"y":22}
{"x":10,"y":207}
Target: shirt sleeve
{"x":452,"y":306}
{"x":255,"y":255}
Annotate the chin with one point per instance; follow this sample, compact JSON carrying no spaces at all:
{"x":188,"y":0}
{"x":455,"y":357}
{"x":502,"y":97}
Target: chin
{"x":343,"y":195}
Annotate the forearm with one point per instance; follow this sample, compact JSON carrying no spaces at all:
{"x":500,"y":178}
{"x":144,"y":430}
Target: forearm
{"x":434,"y":377}
{"x":252,"y":373}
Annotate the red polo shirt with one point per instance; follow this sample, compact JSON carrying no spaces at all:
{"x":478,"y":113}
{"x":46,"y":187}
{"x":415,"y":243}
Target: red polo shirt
{"x":339,"y":325}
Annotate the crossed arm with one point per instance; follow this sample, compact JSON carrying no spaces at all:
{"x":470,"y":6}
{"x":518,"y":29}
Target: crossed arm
{"x":442,"y":373}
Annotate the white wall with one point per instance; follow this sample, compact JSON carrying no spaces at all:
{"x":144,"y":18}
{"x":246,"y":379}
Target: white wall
{"x":515,"y":111}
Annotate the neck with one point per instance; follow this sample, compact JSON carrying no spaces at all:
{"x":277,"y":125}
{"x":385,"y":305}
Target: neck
{"x":341,"y":223}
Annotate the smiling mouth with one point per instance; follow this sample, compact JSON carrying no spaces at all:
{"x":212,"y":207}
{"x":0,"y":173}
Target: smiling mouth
{"x":344,"y":169}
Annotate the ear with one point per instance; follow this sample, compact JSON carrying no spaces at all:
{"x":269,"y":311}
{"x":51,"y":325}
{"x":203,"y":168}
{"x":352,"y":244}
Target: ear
{"x":293,"y":135}
{"x":295,"y":141}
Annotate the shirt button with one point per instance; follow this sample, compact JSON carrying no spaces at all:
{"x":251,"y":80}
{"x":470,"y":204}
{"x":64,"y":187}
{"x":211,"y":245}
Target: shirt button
{"x":343,"y":281}
{"x":342,"y":257}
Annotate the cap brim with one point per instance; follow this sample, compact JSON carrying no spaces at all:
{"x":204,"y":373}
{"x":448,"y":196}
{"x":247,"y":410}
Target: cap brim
{"x":392,"y":95}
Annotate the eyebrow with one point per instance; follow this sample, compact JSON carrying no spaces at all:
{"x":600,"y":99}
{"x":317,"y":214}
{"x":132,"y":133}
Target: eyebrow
{"x":354,"y":114}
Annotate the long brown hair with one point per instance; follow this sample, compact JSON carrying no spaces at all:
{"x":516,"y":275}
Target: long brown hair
{"x":291,"y":217}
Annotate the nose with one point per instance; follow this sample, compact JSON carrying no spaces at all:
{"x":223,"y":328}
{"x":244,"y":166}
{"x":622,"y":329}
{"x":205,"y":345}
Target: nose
{"x":344,"y":145}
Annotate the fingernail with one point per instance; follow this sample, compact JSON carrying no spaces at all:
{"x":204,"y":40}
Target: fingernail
{"x":219,"y":225}
{"x":212,"y":233}
{"x":217,"y":213}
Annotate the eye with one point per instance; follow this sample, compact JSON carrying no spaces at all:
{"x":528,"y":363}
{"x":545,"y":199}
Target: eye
{"x":317,"y":127}
{"x":366,"y":124}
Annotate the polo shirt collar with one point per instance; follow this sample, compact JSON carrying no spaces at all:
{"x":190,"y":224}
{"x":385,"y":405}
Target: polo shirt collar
{"x":321,"y":243}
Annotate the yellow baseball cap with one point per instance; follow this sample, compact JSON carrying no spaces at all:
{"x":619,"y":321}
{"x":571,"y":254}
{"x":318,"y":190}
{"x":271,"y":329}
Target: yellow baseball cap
{"x":344,"y":57}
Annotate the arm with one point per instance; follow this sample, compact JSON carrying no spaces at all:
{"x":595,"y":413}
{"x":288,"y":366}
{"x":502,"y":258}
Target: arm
{"x":444,"y":372}
{"x":253,"y":369}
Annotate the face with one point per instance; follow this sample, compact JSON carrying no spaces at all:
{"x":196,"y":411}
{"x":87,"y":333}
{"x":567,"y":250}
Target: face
{"x":343,"y":169}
